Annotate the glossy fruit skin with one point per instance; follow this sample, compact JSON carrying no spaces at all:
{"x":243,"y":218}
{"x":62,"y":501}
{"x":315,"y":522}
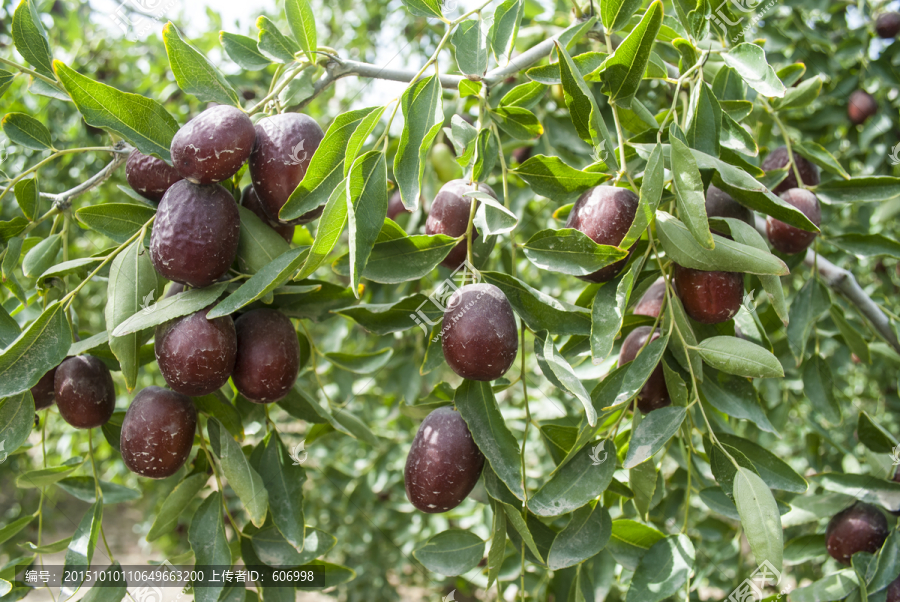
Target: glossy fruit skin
{"x":651,"y":301}
{"x":861,"y":106}
{"x":860,"y":528}
{"x":212,"y":146}
{"x":158,"y":432}
{"x":195,"y":235}
{"x":268,"y":355}
{"x":250,"y":200}
{"x":721,"y":204}
{"x":709,"y":297}
{"x":196,"y":355}
{"x":44,"y":392}
{"x":449,"y":214}
{"x":443,"y":464}
{"x":284,"y":147}
{"x":84,"y":390}
{"x":654,"y":394}
{"x":148,"y":176}
{"x":778,"y":159}
{"x":396,"y":206}
{"x":480,"y":339}
{"x":789,"y":239}
{"x":604,"y":214}
{"x":887,"y":25}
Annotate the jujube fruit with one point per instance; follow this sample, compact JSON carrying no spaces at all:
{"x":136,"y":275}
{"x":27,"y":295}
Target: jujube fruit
{"x":604,"y":214}
{"x":449,"y":214}
{"x":708,"y":297}
{"x":522,"y":154}
{"x":148,"y":176}
{"x":212,"y":146}
{"x":396,"y":206}
{"x":887,"y":25}
{"x":84,"y":390}
{"x":158,"y":432}
{"x":861,"y":106}
{"x":859,"y":528}
{"x":443,"y":464}
{"x":195,"y":235}
{"x":721,"y":204}
{"x":790,"y":239}
{"x":893,"y":591}
{"x":653,"y":394}
{"x":480,"y":339}
{"x":651,"y":301}
{"x":43,"y":392}
{"x":284,"y":147}
{"x":268,"y":355}
{"x":778,"y":159}
{"x":250,"y":200}
{"x":196,"y":355}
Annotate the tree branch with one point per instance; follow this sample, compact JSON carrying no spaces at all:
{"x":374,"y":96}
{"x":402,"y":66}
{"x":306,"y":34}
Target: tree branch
{"x":63,"y":200}
{"x":844,"y":282}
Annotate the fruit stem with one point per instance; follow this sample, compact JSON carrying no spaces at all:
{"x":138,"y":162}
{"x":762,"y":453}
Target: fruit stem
{"x":469,"y":228}
{"x":275,"y":91}
{"x":98,"y":494}
{"x":506,"y":200}
{"x":525,"y":434}
{"x":787,"y":142}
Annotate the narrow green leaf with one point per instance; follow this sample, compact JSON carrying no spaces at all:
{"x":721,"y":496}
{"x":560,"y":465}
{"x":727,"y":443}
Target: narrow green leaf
{"x":749,"y":61}
{"x":689,"y":193}
{"x":245,"y":481}
{"x":760,"y":518}
{"x":10,"y":530}
{"x":559,"y":372}
{"x":243,"y":51}
{"x":819,"y":388}
{"x":302,"y":22}
{"x":30,"y":38}
{"x":616,"y":13}
{"x":424,"y":8}
{"x":284,"y":478}
{"x":209,"y":544}
{"x":28,"y":196}
{"x":81,"y":549}
{"x":624,"y":69}
{"x":652,"y":433}
{"x":170,"y":308}
{"x":663,"y":570}
{"x":40,"y":348}
{"x":451,"y":552}
{"x":651,"y":193}
{"x":118,"y":221}
{"x":505,"y":28}
{"x":361,"y":363}
{"x":471,"y":43}
{"x":554,"y":179}
{"x":16,"y":423}
{"x":578,"y":482}
{"x":258,"y":245}
{"x":194,"y":73}
{"x":587,"y":532}
{"x":26,"y":131}
{"x":175,"y":503}
{"x":41,"y":256}
{"x":740,"y":357}
{"x":421,"y":104}
{"x":570,"y":251}
{"x":367,"y":201}
{"x":274,"y":44}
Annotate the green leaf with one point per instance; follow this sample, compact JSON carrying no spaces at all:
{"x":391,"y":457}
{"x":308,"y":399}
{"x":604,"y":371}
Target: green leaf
{"x":749,"y":61}
{"x":81,"y":549}
{"x":217,"y":405}
{"x":498,"y":542}
{"x":505,"y":28}
{"x":663,"y":570}
{"x":9,"y":328}
{"x":539,"y":310}
{"x":821,"y":157}
{"x":819,"y":387}
{"x":760,"y":518}
{"x":558,"y":371}
{"x":801,"y":95}
{"x":652,"y":433}
{"x":727,"y":255}
{"x":367,"y":200}
{"x":28,"y":196}
{"x":862,"y":245}
{"x":114,"y":586}
{"x":469,"y":88}
{"x":624,"y":69}
{"x":50,"y":548}
{"x":705,"y":121}
{"x":132,"y":280}
{"x":6,"y":80}
{"x":421,"y":103}
{"x":577,"y":482}
{"x":836,"y":586}
{"x":12,"y":228}
{"x":16,"y":423}
{"x":689,"y":193}
{"x":776,"y":473}
{"x":170,"y":308}
{"x":141,"y":121}
{"x":585,"y":535}
{"x":331,"y":224}
{"x":258,"y":245}
{"x":583,"y":107}
{"x":735,"y":397}
{"x":554,"y":179}
{"x":361,"y":363}
{"x":302,"y":22}
{"x":84,"y":489}
{"x":630,"y":541}
{"x":520,"y":527}
{"x":570,"y":251}
{"x":40,"y":348}
{"x":616,"y":13}
{"x":608,"y":312}
{"x":524,"y":95}
{"x":209,"y":543}
{"x":327,"y":575}
{"x":273,"y":275}
{"x":47,"y":476}
{"x":451,"y":552}
{"x":10,"y":530}
{"x":408,"y":258}
{"x":175,"y":503}
{"x":243,"y":51}
{"x":386,"y":318}
{"x":651,"y":193}
{"x":810,"y":303}
{"x":642,"y":479}
{"x":424,"y":8}
{"x":635,"y":374}
{"x":737,"y":356}
{"x":863,"y":487}
{"x":245,"y":481}
{"x":477,"y":406}
{"x":118,"y":221}
{"x":517,"y":122}
{"x":471,"y":43}
{"x":194,"y":73}
{"x":26,"y":131}
{"x":852,"y":337}
{"x":486,"y":154}
{"x":284,"y":480}
{"x":274,"y":549}
{"x":41,"y":256}
{"x":874,"y":436}
{"x":30,"y":38}
{"x":747,"y":235}
{"x":274,"y":44}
